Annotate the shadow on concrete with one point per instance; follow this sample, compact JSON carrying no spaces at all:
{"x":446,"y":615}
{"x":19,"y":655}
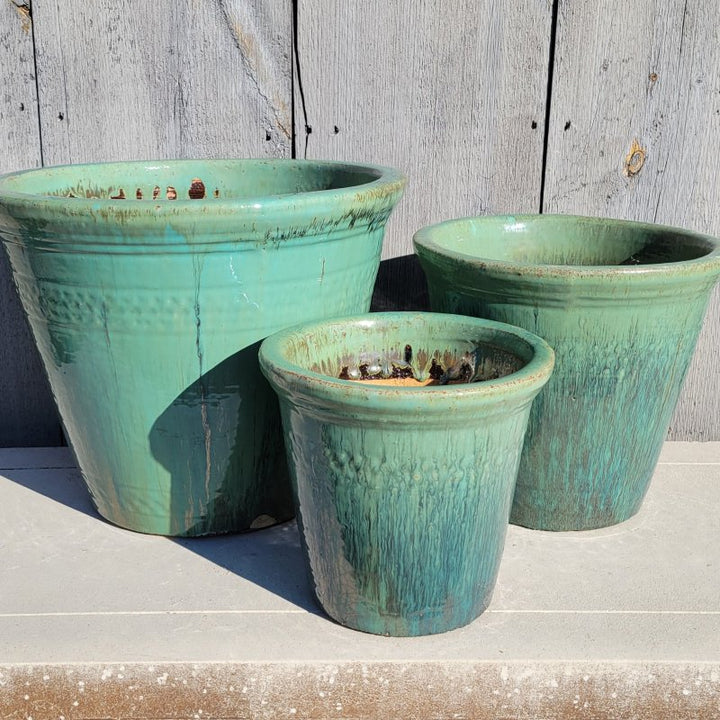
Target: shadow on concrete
{"x":61,"y":483}
{"x":270,"y":558}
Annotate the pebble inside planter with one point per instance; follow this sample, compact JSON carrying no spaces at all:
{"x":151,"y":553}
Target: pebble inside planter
{"x":622,"y":304}
{"x":149,"y":285}
{"x":403,"y":492}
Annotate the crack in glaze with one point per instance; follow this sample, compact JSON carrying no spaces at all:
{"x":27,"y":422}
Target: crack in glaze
{"x":197,"y":269}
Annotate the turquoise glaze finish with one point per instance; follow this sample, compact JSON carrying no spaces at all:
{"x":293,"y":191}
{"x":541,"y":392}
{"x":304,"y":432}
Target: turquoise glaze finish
{"x":148,"y":312}
{"x":624,"y":335}
{"x":403,"y":494}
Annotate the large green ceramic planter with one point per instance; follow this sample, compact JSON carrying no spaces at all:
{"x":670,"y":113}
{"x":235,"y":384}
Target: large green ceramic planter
{"x":622,"y":304}
{"x":403,"y":493}
{"x":148,"y":287}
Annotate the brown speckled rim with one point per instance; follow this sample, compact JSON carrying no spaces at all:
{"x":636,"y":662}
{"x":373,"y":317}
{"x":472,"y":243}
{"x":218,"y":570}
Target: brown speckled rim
{"x":383,"y":189}
{"x":295,"y":379}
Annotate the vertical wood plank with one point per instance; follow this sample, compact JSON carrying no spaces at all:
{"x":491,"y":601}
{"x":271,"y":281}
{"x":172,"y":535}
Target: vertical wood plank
{"x":118,"y":80}
{"x":19,"y":133}
{"x":452,"y":94}
{"x":635,"y":133}
{"x":27,"y":411}
{"x":170,"y":78}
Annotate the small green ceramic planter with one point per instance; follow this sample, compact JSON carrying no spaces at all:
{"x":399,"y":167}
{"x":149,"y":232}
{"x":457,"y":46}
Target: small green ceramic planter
{"x":403,"y":493}
{"x":149,"y":286}
{"x":622,"y":304}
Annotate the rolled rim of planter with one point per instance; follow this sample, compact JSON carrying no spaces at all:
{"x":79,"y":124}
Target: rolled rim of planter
{"x":330,"y":191}
{"x":304,"y":385}
{"x":447,"y":242}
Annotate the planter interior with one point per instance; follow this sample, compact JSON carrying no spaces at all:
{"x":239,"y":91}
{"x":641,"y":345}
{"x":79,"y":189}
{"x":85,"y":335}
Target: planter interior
{"x":622,"y":304}
{"x":564,"y":241}
{"x":149,"y":285}
{"x":403,"y":494}
{"x":382,"y":356}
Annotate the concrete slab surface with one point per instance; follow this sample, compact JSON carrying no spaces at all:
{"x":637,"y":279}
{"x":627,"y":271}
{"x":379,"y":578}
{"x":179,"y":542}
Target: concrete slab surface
{"x":96,"y":621}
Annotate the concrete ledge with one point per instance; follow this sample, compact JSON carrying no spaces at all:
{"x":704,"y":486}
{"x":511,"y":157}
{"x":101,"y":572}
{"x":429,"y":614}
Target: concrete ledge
{"x":99,"y":622}
{"x":410,"y":690}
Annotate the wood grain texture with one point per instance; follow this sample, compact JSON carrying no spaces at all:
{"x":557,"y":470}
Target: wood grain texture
{"x":172,"y":78}
{"x":453,"y":95}
{"x":634,"y":131}
{"x":27,"y":411}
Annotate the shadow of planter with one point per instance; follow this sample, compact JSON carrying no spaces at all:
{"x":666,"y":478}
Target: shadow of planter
{"x":225,"y":426}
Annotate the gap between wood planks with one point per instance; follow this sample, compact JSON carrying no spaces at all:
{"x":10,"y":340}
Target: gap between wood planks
{"x":301,"y":92}
{"x":548,"y":100}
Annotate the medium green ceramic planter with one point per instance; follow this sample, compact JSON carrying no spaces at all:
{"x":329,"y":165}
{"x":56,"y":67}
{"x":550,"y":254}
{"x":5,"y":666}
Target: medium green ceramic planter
{"x":148,"y":287}
{"x":622,"y":304}
{"x":403,"y":493}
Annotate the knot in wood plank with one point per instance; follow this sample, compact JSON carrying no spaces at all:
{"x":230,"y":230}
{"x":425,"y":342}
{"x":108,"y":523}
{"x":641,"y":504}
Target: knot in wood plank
{"x":635,"y":159}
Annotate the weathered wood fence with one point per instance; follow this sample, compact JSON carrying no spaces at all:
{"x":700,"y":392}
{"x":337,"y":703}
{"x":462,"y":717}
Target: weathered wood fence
{"x":598,"y":107}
